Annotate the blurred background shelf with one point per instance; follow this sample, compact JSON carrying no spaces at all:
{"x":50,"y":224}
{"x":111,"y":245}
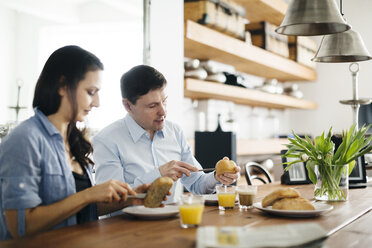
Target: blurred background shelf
{"x":247,"y":147}
{"x":272,"y":11}
{"x":197,"y":89}
{"x":203,"y":43}
{"x":257,"y":147}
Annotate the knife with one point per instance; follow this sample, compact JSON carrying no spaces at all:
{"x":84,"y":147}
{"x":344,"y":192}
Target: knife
{"x":208,"y":169}
{"x":138,"y":196}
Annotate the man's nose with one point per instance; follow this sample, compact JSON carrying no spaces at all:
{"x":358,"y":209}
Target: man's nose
{"x":162,"y":109}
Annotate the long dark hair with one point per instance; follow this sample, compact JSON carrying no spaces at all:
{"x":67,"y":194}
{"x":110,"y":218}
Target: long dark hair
{"x":66,"y":67}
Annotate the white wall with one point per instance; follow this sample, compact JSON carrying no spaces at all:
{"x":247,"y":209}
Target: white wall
{"x":29,"y":36}
{"x":7,"y":55}
{"x":27,"y":57}
{"x":19,"y":52}
{"x":167,"y":50}
{"x":335,"y":83}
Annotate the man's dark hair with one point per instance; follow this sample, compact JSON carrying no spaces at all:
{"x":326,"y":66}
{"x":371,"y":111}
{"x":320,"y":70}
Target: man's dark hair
{"x":139,"y":80}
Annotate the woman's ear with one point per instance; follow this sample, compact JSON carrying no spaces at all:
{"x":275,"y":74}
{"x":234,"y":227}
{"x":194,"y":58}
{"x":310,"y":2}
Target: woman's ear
{"x":62,"y":91}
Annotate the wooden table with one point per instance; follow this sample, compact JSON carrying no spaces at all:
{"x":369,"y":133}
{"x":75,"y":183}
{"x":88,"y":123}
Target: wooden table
{"x":347,"y":224}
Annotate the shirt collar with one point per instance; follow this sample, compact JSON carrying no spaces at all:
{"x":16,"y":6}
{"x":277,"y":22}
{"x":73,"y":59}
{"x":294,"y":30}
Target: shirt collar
{"x":136,"y":131}
{"x":49,"y":127}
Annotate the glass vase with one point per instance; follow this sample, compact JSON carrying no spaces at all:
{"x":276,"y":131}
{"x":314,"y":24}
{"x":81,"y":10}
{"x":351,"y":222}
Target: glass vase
{"x":332,"y":182}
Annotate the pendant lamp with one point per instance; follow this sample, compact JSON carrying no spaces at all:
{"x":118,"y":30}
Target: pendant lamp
{"x":312,"y":17}
{"x":342,"y":47}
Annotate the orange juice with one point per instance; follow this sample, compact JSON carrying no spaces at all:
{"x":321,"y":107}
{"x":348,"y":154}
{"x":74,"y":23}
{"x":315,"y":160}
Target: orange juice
{"x":191,"y":214}
{"x":226,"y":200}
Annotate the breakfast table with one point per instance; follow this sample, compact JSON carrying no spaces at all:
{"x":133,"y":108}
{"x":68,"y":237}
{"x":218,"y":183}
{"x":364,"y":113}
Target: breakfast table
{"x":347,"y":225}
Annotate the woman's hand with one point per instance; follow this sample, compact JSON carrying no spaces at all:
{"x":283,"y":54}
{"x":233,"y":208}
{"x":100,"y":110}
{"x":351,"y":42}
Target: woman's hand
{"x":110,"y":191}
{"x":142,"y":188}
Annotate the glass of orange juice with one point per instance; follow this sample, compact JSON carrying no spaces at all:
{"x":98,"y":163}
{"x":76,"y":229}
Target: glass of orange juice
{"x":226,"y":196}
{"x":191,"y":210}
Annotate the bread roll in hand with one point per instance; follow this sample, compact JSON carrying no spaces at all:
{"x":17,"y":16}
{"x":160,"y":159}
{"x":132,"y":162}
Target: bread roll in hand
{"x":158,"y":190}
{"x":225,"y":165}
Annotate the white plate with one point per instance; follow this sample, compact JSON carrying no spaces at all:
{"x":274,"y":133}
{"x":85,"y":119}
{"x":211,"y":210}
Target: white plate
{"x":212,"y":198}
{"x":320,"y":208}
{"x":152,"y":213}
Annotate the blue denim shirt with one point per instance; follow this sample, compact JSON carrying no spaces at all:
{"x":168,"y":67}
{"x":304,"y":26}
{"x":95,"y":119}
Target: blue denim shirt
{"x":33,"y":171}
{"x":124,"y":151}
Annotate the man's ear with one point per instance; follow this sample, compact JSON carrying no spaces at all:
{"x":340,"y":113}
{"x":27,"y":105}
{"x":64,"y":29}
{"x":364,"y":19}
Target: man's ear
{"x":127,"y":105}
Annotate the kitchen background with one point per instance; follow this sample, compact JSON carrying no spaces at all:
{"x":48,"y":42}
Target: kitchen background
{"x":112,"y":29}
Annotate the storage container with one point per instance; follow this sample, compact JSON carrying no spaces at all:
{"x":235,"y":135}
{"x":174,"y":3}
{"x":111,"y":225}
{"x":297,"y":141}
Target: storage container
{"x":223,"y":15}
{"x":263,"y":35}
{"x":302,"y":49}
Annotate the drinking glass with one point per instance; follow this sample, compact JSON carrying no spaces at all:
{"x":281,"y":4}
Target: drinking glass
{"x":247,"y":195}
{"x":226,"y":196}
{"x":191,"y":210}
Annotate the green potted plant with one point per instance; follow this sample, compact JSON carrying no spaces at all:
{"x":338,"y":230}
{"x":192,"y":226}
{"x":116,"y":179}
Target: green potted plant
{"x":329,"y":170}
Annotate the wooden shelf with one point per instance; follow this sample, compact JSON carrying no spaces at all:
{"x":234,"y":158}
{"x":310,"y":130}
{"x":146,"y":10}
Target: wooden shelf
{"x":197,"y":89}
{"x":247,"y":147}
{"x":204,"y":43}
{"x":272,"y":11}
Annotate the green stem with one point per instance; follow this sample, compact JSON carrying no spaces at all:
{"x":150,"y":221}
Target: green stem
{"x":330,"y":180}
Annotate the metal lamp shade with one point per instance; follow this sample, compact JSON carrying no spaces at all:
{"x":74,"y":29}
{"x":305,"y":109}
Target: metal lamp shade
{"x":315,"y":17}
{"x":342,"y":47}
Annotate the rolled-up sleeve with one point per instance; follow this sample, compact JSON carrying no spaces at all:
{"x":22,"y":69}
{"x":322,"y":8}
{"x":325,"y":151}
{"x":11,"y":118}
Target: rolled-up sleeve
{"x":20,"y":192}
{"x":20,"y":173}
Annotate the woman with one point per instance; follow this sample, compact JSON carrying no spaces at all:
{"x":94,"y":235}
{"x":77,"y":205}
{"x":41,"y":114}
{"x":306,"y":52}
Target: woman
{"x":45,"y":160}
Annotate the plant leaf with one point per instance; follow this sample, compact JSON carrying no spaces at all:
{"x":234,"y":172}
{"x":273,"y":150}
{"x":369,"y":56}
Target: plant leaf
{"x":310,"y":165}
{"x":351,"y":166}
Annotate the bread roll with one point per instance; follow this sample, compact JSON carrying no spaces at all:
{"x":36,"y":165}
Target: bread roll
{"x":158,"y":189}
{"x":297,"y":203}
{"x":225,"y":166}
{"x":279,"y":194}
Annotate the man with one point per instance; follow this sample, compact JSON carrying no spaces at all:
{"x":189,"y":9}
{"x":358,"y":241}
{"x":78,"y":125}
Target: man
{"x":144,"y":146}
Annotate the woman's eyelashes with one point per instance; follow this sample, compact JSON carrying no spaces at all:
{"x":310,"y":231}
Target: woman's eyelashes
{"x":92,"y":92}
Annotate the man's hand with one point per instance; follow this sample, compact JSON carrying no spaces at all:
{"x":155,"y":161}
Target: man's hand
{"x":176,"y":169}
{"x":229,"y":178}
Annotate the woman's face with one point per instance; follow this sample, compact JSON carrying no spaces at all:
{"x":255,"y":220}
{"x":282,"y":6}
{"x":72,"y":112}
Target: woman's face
{"x":87,"y":94}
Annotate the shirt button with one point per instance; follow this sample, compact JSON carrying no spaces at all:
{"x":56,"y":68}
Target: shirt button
{"x":21,"y":185}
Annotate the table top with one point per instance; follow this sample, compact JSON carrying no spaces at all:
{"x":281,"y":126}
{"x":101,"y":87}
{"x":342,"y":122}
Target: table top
{"x":129,"y":231}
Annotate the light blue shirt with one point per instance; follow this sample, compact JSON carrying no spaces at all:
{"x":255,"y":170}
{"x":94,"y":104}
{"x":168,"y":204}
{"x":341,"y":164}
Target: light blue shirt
{"x":33,"y":171}
{"x":124,"y":151}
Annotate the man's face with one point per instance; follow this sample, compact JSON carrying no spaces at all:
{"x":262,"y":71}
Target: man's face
{"x":150,"y":110}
